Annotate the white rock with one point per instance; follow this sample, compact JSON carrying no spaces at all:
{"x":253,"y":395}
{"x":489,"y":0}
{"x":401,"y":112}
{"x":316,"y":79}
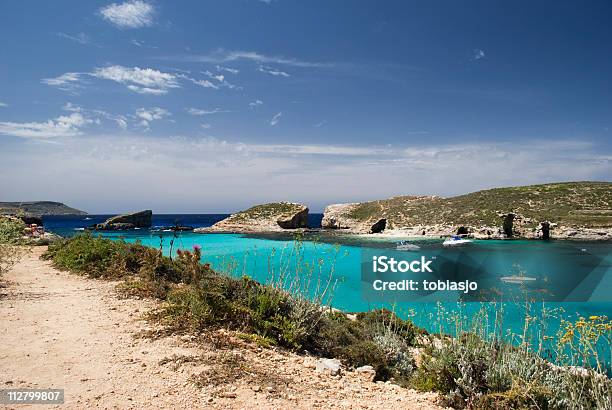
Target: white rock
{"x":366,"y":372}
{"x":332,"y":366}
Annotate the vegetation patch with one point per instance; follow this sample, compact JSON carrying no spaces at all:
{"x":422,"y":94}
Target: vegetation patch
{"x":585,"y":204}
{"x":11,"y":242}
{"x":265,"y":212}
{"x":478,"y":370}
{"x":198,"y":299}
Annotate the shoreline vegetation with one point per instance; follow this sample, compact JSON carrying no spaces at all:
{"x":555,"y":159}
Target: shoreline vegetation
{"x":474,"y":367}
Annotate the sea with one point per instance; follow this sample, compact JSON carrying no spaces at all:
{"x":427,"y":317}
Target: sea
{"x":332,"y":264}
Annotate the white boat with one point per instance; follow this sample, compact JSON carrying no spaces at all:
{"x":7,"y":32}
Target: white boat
{"x":456,"y":241}
{"x":406,"y":246}
{"x":517,"y":279}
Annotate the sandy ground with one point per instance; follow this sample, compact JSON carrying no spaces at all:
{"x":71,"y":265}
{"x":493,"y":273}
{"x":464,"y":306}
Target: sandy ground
{"x":59,"y":330}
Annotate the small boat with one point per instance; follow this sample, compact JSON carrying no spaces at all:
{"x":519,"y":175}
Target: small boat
{"x":406,"y":246}
{"x":79,"y":229}
{"x":87,"y":219}
{"x":517,"y":279}
{"x":455,"y":241}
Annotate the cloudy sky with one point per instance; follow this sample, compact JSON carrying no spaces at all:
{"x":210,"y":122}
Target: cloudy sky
{"x":211,"y":106}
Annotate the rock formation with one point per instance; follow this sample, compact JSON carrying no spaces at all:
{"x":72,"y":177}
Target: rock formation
{"x":272,"y":217}
{"x":569,"y":210}
{"x":338,"y":216}
{"x":140,"y":219}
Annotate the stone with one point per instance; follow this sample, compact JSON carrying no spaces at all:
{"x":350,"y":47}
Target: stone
{"x":140,"y":219}
{"x":294,"y":221}
{"x":366,"y":372}
{"x":331,"y":366}
{"x":379,"y":226}
{"x":545,"y":229}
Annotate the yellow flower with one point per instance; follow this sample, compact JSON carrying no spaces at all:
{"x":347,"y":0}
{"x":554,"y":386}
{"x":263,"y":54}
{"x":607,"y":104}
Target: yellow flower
{"x":593,"y":317}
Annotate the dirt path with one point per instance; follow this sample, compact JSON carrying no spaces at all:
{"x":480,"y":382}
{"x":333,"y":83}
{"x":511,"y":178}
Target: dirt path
{"x":63,"y":331}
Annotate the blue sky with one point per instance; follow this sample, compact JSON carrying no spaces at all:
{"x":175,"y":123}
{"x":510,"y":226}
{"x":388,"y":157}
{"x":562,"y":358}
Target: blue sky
{"x":211,"y":106}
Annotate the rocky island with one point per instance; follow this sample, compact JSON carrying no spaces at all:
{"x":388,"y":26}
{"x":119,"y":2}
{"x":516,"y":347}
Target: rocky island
{"x":271,"y":217}
{"x":141,"y":219}
{"x":572,"y":210}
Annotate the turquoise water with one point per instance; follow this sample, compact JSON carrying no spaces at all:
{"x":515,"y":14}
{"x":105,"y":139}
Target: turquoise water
{"x":337,"y":260}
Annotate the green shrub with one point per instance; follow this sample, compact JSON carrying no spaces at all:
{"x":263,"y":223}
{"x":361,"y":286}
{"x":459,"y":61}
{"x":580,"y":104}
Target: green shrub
{"x":11,"y":230}
{"x":475,"y":373}
{"x":85,"y":254}
{"x":198,"y":298}
{"x":11,"y":241}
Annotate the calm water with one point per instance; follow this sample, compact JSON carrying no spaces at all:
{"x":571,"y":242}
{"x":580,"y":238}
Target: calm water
{"x":339,"y":258}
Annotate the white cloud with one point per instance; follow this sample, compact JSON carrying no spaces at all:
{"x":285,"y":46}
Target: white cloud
{"x":478,"y":54}
{"x":202,"y":83}
{"x":272,"y":71}
{"x":80,"y":38}
{"x":2,"y":104}
{"x":241,"y":174}
{"x":198,"y":111}
{"x":69,"y":82}
{"x":220,"y":78}
{"x":228,"y":69}
{"x":141,"y":43}
{"x":255,"y":103}
{"x":140,"y":80}
{"x":121,"y":122}
{"x":131,"y":14}
{"x":224,"y":56}
{"x":146,"y":115}
{"x":205,"y":126}
{"x":96,"y":114}
{"x":275,"y":120}
{"x":62,"y":126}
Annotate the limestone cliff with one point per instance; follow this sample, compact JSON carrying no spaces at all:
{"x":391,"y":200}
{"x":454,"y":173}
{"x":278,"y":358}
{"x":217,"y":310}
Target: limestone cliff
{"x":573,"y":210}
{"x":272,"y":217}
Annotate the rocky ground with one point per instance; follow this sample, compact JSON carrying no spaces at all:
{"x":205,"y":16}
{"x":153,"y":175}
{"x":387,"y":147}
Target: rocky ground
{"x":63,"y":331}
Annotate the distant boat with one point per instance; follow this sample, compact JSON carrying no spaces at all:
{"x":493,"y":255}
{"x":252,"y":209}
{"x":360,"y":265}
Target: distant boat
{"x":87,"y":219}
{"x":406,"y":246}
{"x":455,"y":241}
{"x":79,"y":229}
{"x":517,"y":279}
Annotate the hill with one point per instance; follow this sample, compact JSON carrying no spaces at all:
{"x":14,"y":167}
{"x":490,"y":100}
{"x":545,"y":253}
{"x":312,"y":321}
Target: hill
{"x":271,"y":217}
{"x":38,"y":208}
{"x":584,"y":206}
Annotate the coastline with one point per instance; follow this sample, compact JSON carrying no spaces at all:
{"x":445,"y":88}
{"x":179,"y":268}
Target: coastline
{"x":575,"y":234}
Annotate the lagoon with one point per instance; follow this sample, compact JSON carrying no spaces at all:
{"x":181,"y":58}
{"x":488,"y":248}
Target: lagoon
{"x":338,"y":258}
